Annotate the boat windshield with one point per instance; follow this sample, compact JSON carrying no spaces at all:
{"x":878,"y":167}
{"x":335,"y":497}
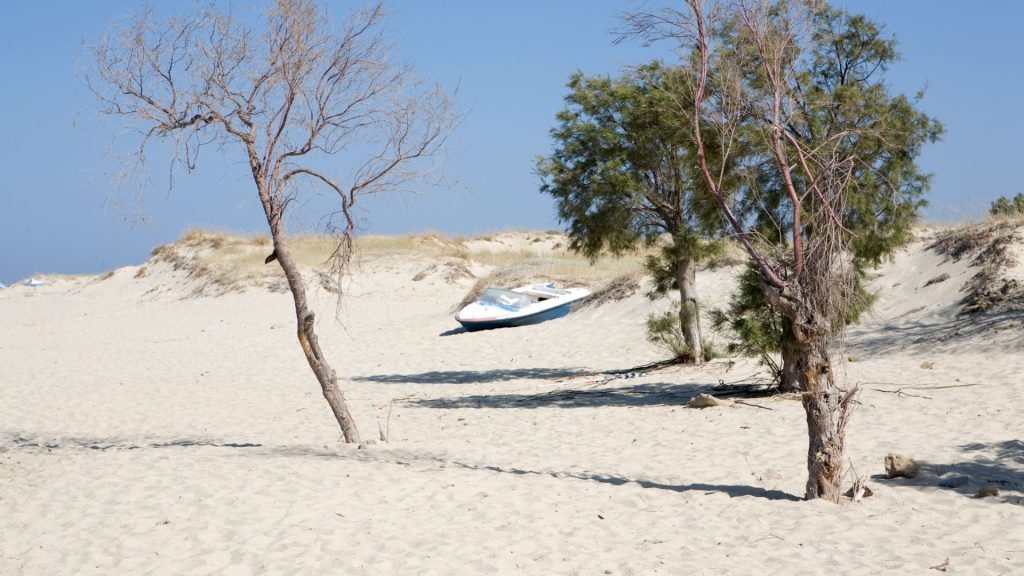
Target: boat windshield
{"x":505,"y":298}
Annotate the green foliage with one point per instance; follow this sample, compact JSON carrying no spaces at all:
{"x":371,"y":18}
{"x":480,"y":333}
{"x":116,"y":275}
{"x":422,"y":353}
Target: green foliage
{"x":1004,"y":206}
{"x":622,"y":175}
{"x":841,"y":90}
{"x":663,"y":331}
{"x":621,"y":170}
{"x":847,"y":92}
{"x":838,"y":88}
{"x":760,"y":331}
{"x":758,"y":328}
{"x":661,"y":266}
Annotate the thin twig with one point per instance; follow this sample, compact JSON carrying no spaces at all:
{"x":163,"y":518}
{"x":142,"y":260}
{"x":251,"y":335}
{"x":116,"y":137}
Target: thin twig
{"x":754,"y":405}
{"x":940,"y":387}
{"x":900,"y":393}
{"x":922,"y":387}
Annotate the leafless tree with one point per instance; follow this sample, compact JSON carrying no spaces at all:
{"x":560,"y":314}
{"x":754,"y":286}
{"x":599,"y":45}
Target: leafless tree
{"x":749,"y":85}
{"x":310,"y":107}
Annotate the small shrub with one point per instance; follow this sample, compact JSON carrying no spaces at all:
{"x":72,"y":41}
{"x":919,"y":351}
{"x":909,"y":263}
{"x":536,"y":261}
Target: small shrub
{"x":1004,"y":206}
{"x":664,"y":332}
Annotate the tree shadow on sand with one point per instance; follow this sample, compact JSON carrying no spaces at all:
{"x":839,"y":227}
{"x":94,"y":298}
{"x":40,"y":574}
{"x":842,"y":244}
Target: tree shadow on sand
{"x":637,"y":395}
{"x":901,"y":337}
{"x":733,"y":490}
{"x":502,"y":375}
{"x":407,"y":459}
{"x":18,"y":440}
{"x":471,"y":376}
{"x":997,"y":464}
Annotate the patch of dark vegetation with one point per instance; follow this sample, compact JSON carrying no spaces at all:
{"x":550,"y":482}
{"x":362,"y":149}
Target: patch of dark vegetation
{"x":989,"y":245}
{"x":988,"y":290}
{"x":914,"y":311}
{"x":994,"y":295}
{"x":968,"y":240}
{"x":940,"y":278}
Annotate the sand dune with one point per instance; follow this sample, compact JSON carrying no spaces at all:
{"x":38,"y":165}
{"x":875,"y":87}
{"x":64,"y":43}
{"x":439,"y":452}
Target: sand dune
{"x":147,"y":428}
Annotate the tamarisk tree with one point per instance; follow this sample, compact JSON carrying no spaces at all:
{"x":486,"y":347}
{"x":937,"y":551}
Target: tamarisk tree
{"x":309,"y":106}
{"x":750,"y":71}
{"x":841,"y":88}
{"x":622,"y":175}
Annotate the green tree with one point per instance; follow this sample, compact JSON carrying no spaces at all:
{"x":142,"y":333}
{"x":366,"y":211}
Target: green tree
{"x":1004,"y":206}
{"x":621,"y":176}
{"x":840,"y":89}
{"x":756,"y":62}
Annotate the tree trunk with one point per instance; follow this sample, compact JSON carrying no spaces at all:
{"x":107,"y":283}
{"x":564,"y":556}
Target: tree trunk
{"x":828,"y":410}
{"x":310,"y":345}
{"x":789,"y":377}
{"x":689,"y":311}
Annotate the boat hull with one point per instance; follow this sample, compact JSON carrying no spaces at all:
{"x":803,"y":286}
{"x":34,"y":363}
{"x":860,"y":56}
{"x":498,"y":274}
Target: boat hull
{"x":535,"y":318}
{"x":497,"y":308}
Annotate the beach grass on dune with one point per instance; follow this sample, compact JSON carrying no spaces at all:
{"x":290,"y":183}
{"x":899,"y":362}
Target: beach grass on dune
{"x":224,"y":262}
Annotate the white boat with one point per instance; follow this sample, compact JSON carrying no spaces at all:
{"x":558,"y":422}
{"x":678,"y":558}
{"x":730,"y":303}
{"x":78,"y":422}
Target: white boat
{"x":497,"y":308}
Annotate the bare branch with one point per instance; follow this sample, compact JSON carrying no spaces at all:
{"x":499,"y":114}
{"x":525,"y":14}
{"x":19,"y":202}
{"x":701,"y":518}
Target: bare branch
{"x":288,"y":94}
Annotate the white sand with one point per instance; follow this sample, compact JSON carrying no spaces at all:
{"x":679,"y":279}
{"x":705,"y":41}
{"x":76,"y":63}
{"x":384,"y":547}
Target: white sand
{"x":146,"y":432}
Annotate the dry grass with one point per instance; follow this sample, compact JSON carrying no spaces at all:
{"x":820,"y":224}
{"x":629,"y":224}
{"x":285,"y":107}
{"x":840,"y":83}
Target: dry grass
{"x":967,"y":240}
{"x":618,"y":288}
{"x":429,"y":244}
{"x":1011,"y":219}
{"x":220,"y":262}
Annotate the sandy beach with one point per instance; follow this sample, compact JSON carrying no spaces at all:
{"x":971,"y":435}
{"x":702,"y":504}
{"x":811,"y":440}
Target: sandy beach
{"x":147,"y":429}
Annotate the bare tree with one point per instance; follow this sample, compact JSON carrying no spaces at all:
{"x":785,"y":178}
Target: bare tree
{"x":310,"y":107}
{"x":746,"y":55}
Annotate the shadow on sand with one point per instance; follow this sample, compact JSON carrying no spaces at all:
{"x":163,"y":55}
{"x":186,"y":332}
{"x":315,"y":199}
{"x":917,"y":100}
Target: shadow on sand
{"x":732,"y":490}
{"x":916,"y":336}
{"x":996,"y":464}
{"x":407,"y":459}
{"x":637,"y":395}
{"x":16,"y":440}
{"x":385,"y":456}
{"x":472,"y":376}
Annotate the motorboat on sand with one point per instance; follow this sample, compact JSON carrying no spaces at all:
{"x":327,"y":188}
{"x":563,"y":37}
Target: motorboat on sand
{"x":497,"y":308}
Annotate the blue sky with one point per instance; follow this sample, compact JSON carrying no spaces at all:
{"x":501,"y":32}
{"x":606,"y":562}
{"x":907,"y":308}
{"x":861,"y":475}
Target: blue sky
{"x":58,"y":212}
